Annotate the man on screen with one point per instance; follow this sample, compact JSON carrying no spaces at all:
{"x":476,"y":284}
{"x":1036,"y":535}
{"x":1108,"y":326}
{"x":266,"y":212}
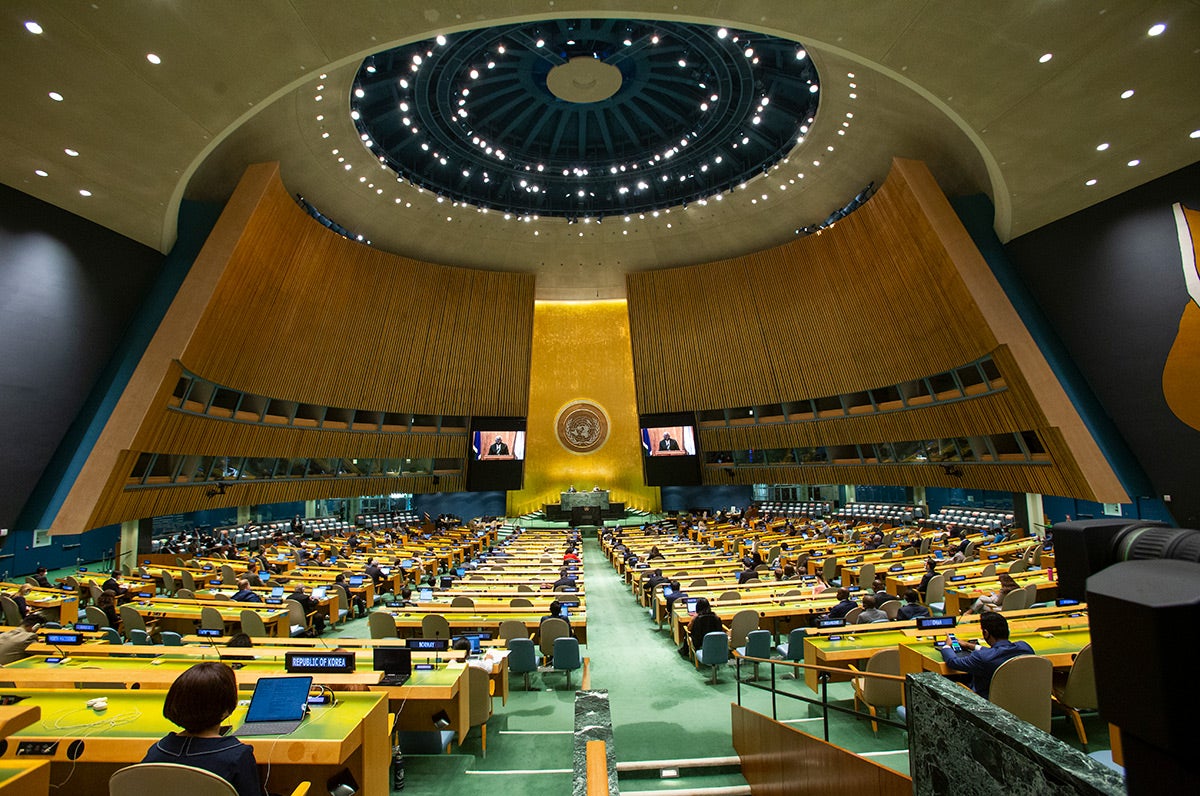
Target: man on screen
{"x":498,"y":448}
{"x":666,"y":443}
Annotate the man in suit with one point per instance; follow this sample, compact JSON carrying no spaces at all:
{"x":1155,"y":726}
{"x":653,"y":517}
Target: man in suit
{"x":310,"y":607}
{"x":564,"y":579}
{"x":844,"y":606}
{"x":498,"y":448}
{"x":982,"y":662}
{"x":666,"y":443}
{"x":244,"y":594}
{"x":912,"y":608}
{"x":374,"y":572}
{"x":122,"y":592}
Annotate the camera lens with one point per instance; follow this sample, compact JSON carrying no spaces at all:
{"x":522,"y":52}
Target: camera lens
{"x":1140,"y":543}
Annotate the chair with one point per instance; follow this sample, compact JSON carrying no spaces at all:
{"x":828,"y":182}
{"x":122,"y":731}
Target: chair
{"x":1077,"y":692}
{"x":1030,"y":594}
{"x":435,"y":626}
{"x":852,"y":615}
{"x":714,"y":652}
{"x":866,"y":577}
{"x":989,"y":571}
{"x":522,"y":658}
{"x":462,"y":602}
{"x":139,"y":637}
{"x":758,"y":645}
{"x":228,"y":576}
{"x":522,"y":587}
{"x":131,"y":620}
{"x":170,"y":639}
{"x":210,"y":619}
{"x":935,"y":595}
{"x":184,"y":594}
{"x":143,"y":778}
{"x":829,"y":570}
{"x":566,"y":655}
{"x":382,"y":625}
{"x":344,"y":603}
{"x":520,"y":602}
{"x":891,"y":608}
{"x":253,"y":625}
{"x":512,"y":628}
{"x":726,"y":596}
{"x":480,"y":708}
{"x":1022,"y":686}
{"x":297,"y":620}
{"x":698,"y":583}
{"x":95,"y":616}
{"x":111,"y":636}
{"x":739,"y":628}
{"x":187,"y":580}
{"x":1015,"y":600}
{"x":12,"y":614}
{"x":1018,"y":566}
{"x":793,"y":648}
{"x":94,"y":591}
{"x":550,"y":630}
{"x":875,"y":693}
{"x":168,"y":583}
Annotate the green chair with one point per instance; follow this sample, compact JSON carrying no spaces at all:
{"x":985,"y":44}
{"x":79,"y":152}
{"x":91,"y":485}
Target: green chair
{"x":793,"y":648}
{"x":522,"y":658}
{"x":139,"y":638}
{"x":170,"y":639}
{"x":381,"y":624}
{"x":210,"y":619}
{"x":758,"y":645}
{"x":566,"y":656}
{"x":714,"y":652}
{"x":111,"y":635}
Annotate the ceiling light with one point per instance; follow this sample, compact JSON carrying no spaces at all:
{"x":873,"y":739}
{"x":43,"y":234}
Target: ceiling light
{"x":1156,"y":29}
{"x":71,"y":152}
{"x":33,"y":28}
{"x":1127,"y":93}
{"x":541,"y":42}
{"x":84,"y":192}
{"x":1045,"y":58}
{"x":54,"y":95}
{"x":358,"y":92}
{"x":154,"y":59}
{"x":441,"y":40}
{"x":722,"y":33}
{"x":1194,"y":134}
{"x":1102,"y":147}
{"x":41,"y":173}
{"x":801,"y":55}
{"x":1091,"y":182}
{"x":1133,"y":162}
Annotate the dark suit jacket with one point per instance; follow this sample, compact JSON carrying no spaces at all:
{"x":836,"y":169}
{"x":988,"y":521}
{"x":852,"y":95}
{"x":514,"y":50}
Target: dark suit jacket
{"x":498,"y":449}
{"x":668,"y":445}
{"x":246,"y":596}
{"x":983,"y":662}
{"x":702,"y":625}
{"x":841,"y":609}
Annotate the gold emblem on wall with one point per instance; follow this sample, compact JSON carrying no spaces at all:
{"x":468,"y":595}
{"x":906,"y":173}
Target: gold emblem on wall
{"x":581,"y":427}
{"x":1181,"y":373}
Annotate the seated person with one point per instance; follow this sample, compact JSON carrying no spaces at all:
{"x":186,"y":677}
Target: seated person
{"x":994,"y":600}
{"x":570,"y":555}
{"x":912,"y":608}
{"x":981,"y":662}
{"x":14,"y":642}
{"x":310,"y":607}
{"x":556,"y":613}
{"x":244,"y":594}
{"x":844,"y":606}
{"x":747,"y":575}
{"x":869,"y":612}
{"x":107,"y":602}
{"x":40,"y":577}
{"x":121,"y":593}
{"x":374,"y":571}
{"x":703,"y":623}
{"x":565,"y":578}
{"x":21,"y":597}
{"x":198,"y":701}
{"x":881,"y":596}
{"x":252,"y":575}
{"x":673,"y":592}
{"x":654,"y":553}
{"x":930,"y":574}
{"x":653,"y":580}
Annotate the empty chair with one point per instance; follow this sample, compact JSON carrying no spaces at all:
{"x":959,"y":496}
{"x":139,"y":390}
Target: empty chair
{"x":252,"y":624}
{"x":829,"y":570}
{"x":698,"y":583}
{"x":758,"y":645}
{"x":520,"y":602}
{"x":170,"y":639}
{"x":550,"y":630}
{"x":32,"y":581}
{"x":1017,"y":566}
{"x":876,"y":693}
{"x":132,"y":620}
{"x":524,"y":587}
{"x":12,"y":614}
{"x":480,"y":708}
{"x":793,"y":648}
{"x":743,"y":622}
{"x":297,"y":621}
{"x":866,"y":577}
{"x":94,"y":591}
{"x":1015,"y":600}
{"x":111,"y":636}
{"x":726,"y":596}
{"x":566,"y":655}
{"x":1077,"y":691}
{"x":1022,"y":686}
{"x":210,"y":619}
{"x":714,"y":652}
{"x":435,"y":626}
{"x":934,"y":594}
{"x":95,"y":616}
{"x":522,"y":657}
{"x":1030,"y":594}
{"x":168,"y":583}
{"x":139,"y":637}
{"x":462,"y":602}
{"x":188,"y":582}
{"x":512,"y":628}
{"x":184,"y":594}
{"x":344,"y":603}
{"x":381,"y":624}
{"x":989,"y":571}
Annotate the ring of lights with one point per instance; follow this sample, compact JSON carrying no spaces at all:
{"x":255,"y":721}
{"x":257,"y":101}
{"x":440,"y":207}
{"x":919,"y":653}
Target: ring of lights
{"x":677,"y":113}
{"x":581,"y":427}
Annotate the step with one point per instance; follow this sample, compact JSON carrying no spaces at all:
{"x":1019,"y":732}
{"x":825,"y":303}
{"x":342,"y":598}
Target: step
{"x":684,"y":776}
{"x":680,"y":764}
{"x":723,"y":790}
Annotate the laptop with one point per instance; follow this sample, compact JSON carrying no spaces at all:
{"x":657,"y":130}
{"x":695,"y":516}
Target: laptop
{"x":691,"y":604}
{"x":394,"y":662}
{"x":277,"y":592}
{"x":425,"y":595}
{"x":318,"y":592}
{"x":277,"y":706}
{"x":356,"y":581}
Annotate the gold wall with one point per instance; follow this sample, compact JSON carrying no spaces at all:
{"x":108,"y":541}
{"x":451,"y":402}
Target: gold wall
{"x":581,"y":351}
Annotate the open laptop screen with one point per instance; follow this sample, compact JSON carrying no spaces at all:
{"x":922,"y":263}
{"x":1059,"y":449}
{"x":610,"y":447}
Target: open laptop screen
{"x":392,"y":660}
{"x":279,"y":699}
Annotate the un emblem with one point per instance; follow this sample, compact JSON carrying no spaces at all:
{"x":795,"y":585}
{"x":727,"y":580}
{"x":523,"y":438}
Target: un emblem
{"x":582,"y":427}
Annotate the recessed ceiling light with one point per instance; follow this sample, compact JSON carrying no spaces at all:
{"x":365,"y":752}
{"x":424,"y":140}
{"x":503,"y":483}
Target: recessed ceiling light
{"x":41,"y":173}
{"x":71,"y":152}
{"x":1156,"y":29}
{"x":84,"y":192}
{"x":1102,"y":147}
{"x":33,"y":27}
{"x":1045,"y":58}
{"x":1133,"y":162}
{"x":153,"y":58}
{"x":1091,"y":182}
{"x":54,"y":95}
{"x":1127,"y":93}
{"x":1194,"y":134}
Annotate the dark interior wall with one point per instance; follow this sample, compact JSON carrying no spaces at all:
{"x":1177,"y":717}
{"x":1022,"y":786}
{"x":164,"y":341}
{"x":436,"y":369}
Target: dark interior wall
{"x":682,"y":498}
{"x":1110,"y":280}
{"x":68,"y":289}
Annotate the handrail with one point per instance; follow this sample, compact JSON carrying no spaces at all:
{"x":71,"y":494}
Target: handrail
{"x":819,"y":668}
{"x":597,"y":769}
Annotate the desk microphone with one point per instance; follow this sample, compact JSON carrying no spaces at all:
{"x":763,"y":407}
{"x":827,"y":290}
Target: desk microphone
{"x":62,"y":656}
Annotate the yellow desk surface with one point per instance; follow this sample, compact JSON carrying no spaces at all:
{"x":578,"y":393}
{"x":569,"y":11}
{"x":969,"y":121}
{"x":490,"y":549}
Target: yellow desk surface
{"x":1060,"y":646}
{"x":24,"y":778}
{"x":351,"y":734}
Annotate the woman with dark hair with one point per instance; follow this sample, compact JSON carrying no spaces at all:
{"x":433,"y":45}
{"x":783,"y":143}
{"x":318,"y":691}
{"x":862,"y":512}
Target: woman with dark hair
{"x":994,"y":601}
{"x":198,"y":701}
{"x":107,"y":602}
{"x":703,"y":623}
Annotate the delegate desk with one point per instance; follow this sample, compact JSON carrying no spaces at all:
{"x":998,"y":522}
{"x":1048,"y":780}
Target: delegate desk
{"x":183,"y":616}
{"x":22,"y":777}
{"x":961,"y":595}
{"x":464,"y":620}
{"x":55,"y":604}
{"x":85,"y":747}
{"x":776,"y":615}
{"x":1059,"y":646}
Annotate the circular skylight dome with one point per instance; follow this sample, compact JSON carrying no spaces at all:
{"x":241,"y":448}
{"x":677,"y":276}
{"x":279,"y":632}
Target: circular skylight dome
{"x":585,"y":117}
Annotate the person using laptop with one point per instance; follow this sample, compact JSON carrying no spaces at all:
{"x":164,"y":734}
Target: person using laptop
{"x":198,"y":701}
{"x":245,"y":594}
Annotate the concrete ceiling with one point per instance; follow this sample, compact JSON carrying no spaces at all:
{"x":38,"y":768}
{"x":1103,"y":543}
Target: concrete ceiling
{"x":957,"y":85}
